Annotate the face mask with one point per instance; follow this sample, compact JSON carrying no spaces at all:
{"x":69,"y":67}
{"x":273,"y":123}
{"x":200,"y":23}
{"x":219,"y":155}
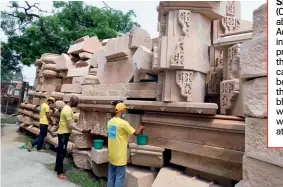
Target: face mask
{"x":124,"y":116}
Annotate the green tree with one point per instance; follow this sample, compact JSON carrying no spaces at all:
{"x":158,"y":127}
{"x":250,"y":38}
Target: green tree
{"x":31,"y":33}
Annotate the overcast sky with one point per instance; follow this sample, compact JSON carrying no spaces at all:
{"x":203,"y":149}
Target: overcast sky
{"x":146,"y":17}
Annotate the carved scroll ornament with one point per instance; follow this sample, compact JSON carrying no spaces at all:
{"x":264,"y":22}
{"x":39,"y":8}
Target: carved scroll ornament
{"x":177,"y":58}
{"x":184,"y":18}
{"x":184,"y":80}
{"x":229,"y":91}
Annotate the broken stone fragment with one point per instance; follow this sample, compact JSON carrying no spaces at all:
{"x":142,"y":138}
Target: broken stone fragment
{"x":90,"y":45}
{"x":63,"y":62}
{"x":140,"y":37}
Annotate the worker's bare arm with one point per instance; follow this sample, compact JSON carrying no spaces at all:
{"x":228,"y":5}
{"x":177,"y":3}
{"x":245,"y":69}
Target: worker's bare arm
{"x":71,"y":125}
{"x":49,"y":118}
{"x":139,"y":130}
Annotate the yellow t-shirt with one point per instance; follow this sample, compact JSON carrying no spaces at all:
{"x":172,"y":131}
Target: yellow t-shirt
{"x":43,"y":118}
{"x":65,"y":116}
{"x":118,"y":133}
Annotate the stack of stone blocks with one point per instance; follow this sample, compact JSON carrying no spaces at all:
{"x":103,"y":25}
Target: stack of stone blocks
{"x":177,"y":80}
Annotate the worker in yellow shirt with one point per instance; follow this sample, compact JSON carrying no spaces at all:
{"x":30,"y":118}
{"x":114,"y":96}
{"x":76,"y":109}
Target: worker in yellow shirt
{"x":118,"y":133}
{"x":66,"y":125}
{"x":44,"y":121}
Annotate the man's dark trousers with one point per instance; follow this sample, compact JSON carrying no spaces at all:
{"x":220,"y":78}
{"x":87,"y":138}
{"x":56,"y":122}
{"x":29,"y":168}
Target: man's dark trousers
{"x":40,"y":139}
{"x":61,"y":152}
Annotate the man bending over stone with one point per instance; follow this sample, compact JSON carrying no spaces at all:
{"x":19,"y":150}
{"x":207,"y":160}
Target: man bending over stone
{"x":65,"y":128}
{"x":44,"y":121}
{"x":118,"y":132}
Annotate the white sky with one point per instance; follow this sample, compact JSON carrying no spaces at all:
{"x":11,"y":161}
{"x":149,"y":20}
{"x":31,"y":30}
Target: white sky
{"x":146,"y":17}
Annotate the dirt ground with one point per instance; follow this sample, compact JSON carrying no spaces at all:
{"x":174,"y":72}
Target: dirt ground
{"x":22,"y":168}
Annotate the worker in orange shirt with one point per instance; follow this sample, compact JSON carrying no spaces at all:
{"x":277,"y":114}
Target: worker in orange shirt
{"x":118,"y":133}
{"x":45,"y":120}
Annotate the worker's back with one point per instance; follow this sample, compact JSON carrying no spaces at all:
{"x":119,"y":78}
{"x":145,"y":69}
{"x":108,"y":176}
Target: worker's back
{"x":42,"y":114}
{"x":118,"y":133}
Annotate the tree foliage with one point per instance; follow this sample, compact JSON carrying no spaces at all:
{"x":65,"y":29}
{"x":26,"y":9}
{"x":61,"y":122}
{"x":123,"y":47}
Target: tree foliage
{"x":31,"y":32}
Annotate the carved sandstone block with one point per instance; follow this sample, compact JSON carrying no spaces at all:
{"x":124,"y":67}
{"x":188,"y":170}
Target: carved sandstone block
{"x":99,"y":156}
{"x":71,"y":88}
{"x":256,"y":142}
{"x":49,"y":58}
{"x":231,"y":67}
{"x":208,"y":165}
{"x":147,"y":155}
{"x":139,"y":177}
{"x":139,"y":37}
{"x":82,"y":140}
{"x":77,"y":72}
{"x":119,"y":71}
{"x":117,"y":47}
{"x":183,"y":86}
{"x":231,"y":97}
{"x":255,"y":97}
{"x":51,"y":88}
{"x":178,"y":53}
{"x":82,"y":159}
{"x":259,"y":173}
{"x":214,"y":79}
{"x":90,"y":45}
{"x":168,"y":177}
{"x":253,"y":58}
{"x":51,"y":81}
{"x":100,"y":170}
{"x":259,"y":21}
{"x":143,"y":59}
{"x":189,"y":24}
{"x":49,"y":73}
{"x":63,"y":62}
{"x":133,"y":90}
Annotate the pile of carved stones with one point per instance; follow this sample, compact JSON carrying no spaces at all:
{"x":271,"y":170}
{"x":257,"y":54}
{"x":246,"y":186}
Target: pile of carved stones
{"x":175,"y":84}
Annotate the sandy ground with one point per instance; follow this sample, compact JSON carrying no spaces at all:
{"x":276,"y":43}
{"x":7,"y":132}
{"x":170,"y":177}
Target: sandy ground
{"x":22,"y":168}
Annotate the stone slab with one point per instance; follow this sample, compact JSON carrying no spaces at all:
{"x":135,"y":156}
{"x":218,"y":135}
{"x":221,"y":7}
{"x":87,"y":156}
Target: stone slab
{"x":180,"y":107}
{"x":139,"y":177}
{"x":212,"y":10}
{"x":63,"y":62}
{"x":49,"y":58}
{"x":99,"y":156}
{"x":253,"y":58}
{"x":117,"y":47}
{"x":129,"y":90}
{"x":49,"y":73}
{"x":81,"y":159}
{"x":256,"y":141}
{"x":51,"y":88}
{"x":77,"y":72}
{"x":228,"y":134}
{"x":255,"y":94}
{"x":82,"y":141}
{"x":259,"y":21}
{"x":90,"y":45}
{"x":71,"y":88}
{"x":257,"y":173}
{"x":168,"y":177}
{"x":213,"y":166}
{"x":51,"y":81}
